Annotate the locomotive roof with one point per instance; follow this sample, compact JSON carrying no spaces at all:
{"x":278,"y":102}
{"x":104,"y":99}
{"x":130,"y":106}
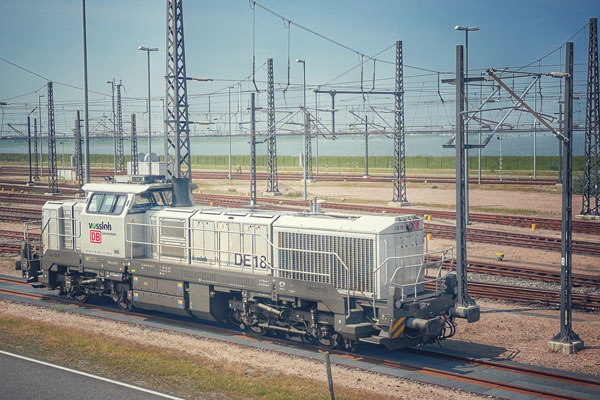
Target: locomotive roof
{"x":123,"y":187}
{"x":359,"y":224}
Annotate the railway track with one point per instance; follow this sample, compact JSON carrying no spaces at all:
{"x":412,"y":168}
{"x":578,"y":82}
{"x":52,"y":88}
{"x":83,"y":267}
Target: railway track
{"x":327,"y":177}
{"x":579,"y":226}
{"x":438,"y":230}
{"x":518,"y":271}
{"x":513,"y":239}
{"x":441,"y":231}
{"x":420,"y":369}
{"x":589,"y":227}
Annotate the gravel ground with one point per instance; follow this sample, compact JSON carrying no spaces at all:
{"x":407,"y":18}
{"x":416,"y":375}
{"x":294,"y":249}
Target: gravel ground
{"x":7,"y":266}
{"x":528,"y":283}
{"x":521,"y":333}
{"x":379,"y":385}
{"x":543,"y":259}
{"x":539,"y":199}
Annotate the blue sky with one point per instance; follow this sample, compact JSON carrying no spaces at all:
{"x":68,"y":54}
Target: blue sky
{"x":45,"y":37}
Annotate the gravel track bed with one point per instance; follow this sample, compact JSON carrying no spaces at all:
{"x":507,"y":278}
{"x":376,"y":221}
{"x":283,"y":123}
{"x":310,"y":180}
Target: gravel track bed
{"x":528,"y":283}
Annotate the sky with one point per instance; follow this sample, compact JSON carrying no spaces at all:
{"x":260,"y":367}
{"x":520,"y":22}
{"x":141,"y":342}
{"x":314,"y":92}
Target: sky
{"x":45,"y":37}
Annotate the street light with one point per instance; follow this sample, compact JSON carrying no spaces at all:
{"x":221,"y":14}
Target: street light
{"x":112,"y":85}
{"x":468,"y":29}
{"x":304,"y":166}
{"x":148,"y":50}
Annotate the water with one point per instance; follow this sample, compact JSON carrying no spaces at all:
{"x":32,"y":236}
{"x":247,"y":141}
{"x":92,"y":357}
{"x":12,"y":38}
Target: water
{"x":349,"y":145}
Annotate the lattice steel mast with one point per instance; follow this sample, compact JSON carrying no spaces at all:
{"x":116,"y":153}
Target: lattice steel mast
{"x":120,"y":152}
{"x":308,"y":148}
{"x":52,"y":171}
{"x":591,"y":181}
{"x":177,"y":139}
{"x":36,"y":166}
{"x":79,"y":170}
{"x":399,"y":195}
{"x":567,"y":340}
{"x":134,"y":149}
{"x":272,"y":184}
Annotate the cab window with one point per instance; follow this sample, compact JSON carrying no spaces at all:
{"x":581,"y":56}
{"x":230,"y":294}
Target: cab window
{"x":107,"y":203}
{"x":95,"y":202}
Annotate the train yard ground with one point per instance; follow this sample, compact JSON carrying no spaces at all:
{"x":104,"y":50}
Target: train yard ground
{"x":508,"y":330}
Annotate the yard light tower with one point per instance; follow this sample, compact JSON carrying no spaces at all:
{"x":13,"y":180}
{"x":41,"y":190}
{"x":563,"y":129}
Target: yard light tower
{"x":148,"y":50}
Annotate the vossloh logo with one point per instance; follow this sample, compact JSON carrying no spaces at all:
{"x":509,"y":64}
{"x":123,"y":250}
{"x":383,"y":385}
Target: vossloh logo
{"x":96,"y":231}
{"x":102,"y":226}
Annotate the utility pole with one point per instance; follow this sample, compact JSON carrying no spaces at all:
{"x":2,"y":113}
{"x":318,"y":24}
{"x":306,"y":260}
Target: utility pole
{"x":567,"y":341}
{"x":229,"y":123}
{"x":52,"y":169}
{"x":30,"y":182}
{"x":305,"y":159}
{"x":307,"y":138}
{"x":177,"y":137}
{"x":399,"y":196}
{"x":120,"y":150}
{"x":41,"y":136}
{"x":134,"y":149}
{"x":36,"y":169}
{"x":114,"y":119}
{"x":560,"y":147}
{"x":272,"y":184}
{"x":366,"y":148}
{"x":252,"y":153}
{"x":466,"y":29}
{"x":466,"y":308}
{"x":79,"y":170}
{"x":591,"y":171}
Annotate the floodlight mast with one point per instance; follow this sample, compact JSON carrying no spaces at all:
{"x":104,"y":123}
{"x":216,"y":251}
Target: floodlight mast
{"x":148,"y":50}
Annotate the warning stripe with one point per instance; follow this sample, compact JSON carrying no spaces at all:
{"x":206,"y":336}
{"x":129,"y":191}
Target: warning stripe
{"x":398,"y":328}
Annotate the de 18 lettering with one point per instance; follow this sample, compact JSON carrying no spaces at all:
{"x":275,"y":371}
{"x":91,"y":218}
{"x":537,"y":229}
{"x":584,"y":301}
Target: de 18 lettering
{"x":247,"y":260}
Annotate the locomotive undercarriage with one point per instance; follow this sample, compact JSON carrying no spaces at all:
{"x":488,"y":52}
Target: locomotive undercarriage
{"x":268,"y":310}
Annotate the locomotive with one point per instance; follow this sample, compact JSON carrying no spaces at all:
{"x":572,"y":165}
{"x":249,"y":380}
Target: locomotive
{"x":332,"y":279}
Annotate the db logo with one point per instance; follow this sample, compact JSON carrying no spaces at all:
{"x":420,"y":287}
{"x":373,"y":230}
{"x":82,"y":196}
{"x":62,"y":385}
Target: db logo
{"x":95,"y":236}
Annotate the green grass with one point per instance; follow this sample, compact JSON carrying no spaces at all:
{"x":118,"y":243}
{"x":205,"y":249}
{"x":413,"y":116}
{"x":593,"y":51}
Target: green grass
{"x":156,"y":367}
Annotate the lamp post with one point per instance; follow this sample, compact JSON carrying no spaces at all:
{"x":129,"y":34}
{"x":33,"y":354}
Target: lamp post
{"x":467,"y":29}
{"x":112,"y":85}
{"x":148,"y":50}
{"x":304,"y":166}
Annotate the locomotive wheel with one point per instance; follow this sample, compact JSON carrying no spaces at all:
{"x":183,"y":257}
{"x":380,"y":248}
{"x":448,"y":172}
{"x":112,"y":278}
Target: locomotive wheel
{"x":79,"y":297}
{"x":330,"y":340}
{"x":124,"y":304}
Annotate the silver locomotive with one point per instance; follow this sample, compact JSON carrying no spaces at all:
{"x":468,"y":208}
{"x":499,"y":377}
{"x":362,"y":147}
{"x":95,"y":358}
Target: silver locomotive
{"x":334,"y":279}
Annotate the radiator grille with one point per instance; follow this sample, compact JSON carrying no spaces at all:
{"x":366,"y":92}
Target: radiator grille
{"x":306,"y":257}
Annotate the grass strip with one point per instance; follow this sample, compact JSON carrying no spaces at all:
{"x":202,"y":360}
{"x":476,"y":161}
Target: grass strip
{"x":156,"y":367}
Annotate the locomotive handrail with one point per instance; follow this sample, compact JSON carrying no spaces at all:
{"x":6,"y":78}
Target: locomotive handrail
{"x":420,"y":265}
{"x":267,"y":263}
{"x":76,"y":228}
